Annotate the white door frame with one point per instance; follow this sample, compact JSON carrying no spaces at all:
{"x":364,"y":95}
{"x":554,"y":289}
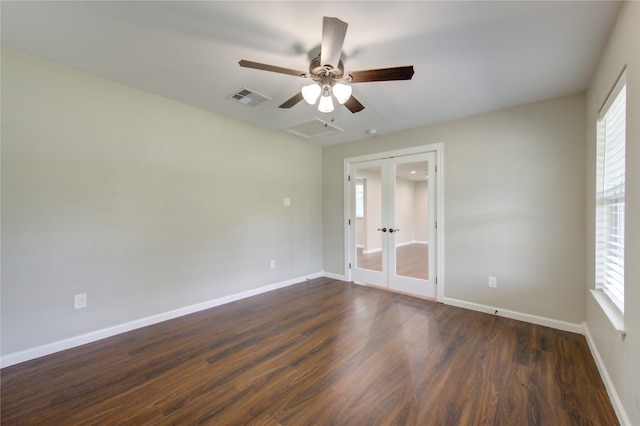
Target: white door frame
{"x":438,"y":148}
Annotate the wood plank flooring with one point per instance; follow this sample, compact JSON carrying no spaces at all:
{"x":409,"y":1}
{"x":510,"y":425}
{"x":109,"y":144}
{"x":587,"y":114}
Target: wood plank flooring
{"x":320,"y":352}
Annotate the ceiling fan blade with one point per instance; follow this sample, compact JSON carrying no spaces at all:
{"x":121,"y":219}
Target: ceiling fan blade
{"x":333,"y":33}
{"x":353,"y":105}
{"x":292,"y":100}
{"x":272,"y":68}
{"x":382,"y":74}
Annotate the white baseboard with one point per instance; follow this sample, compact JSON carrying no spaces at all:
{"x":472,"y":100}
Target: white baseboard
{"x":375,"y":250}
{"x":408,"y":243}
{"x":72,"y":342}
{"x":608,"y":383}
{"x":533,"y":319}
{"x":334,"y":276}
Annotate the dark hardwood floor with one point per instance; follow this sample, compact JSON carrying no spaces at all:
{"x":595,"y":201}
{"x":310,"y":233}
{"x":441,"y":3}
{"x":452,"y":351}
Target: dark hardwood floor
{"x":320,"y":352}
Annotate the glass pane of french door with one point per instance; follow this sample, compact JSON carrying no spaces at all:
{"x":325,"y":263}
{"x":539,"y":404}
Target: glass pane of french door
{"x":411,"y":225}
{"x":368,"y":218}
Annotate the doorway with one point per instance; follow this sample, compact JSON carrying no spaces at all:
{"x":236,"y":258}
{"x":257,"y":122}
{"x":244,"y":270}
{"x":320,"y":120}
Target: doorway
{"x":392,"y":210}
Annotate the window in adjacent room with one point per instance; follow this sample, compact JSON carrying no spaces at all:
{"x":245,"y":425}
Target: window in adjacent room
{"x":360,"y":198}
{"x":610,"y":195}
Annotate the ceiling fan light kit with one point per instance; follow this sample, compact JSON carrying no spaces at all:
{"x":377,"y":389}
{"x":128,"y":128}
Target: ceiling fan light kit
{"x":325,"y":104}
{"x":327,"y":72}
{"x":311,"y":93}
{"x":342,"y":92}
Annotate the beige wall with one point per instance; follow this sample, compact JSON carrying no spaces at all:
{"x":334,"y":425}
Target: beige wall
{"x":145,"y":204}
{"x":514,"y":205}
{"x":621,"y":358}
{"x":404,"y":210}
{"x":411,"y":211}
{"x":422,"y":210}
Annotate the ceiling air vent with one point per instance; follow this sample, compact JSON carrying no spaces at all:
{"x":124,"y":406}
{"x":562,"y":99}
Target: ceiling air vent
{"x":248,"y":97}
{"x":313,"y":129}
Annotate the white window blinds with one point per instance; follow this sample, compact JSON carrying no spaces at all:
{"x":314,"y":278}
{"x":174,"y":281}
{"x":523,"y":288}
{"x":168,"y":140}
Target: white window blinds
{"x":610,"y":195}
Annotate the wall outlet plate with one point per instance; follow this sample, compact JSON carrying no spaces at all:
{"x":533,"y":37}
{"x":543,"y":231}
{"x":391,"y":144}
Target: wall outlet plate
{"x":80,"y":301}
{"x":493,"y":282}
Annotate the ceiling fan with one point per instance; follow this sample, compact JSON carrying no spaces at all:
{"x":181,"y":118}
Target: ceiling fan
{"x":328,"y":75}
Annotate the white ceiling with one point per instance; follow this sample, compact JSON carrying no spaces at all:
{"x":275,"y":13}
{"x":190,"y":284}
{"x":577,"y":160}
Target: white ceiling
{"x":469,"y":57}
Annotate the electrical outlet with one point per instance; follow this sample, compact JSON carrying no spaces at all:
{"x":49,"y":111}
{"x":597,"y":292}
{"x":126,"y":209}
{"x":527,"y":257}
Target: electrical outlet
{"x":80,"y":301}
{"x":272,"y":264}
{"x":493,"y":282}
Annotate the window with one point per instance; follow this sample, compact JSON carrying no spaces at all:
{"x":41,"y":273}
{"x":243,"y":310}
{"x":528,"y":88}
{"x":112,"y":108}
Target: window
{"x":610,"y":195}
{"x":360,"y":198}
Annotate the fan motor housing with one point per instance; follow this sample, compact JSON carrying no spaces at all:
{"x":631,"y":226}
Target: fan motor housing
{"x":316,"y":69}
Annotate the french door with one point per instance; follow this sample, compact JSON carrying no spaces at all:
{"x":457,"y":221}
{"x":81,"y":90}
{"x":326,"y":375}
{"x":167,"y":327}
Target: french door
{"x":392,"y":241}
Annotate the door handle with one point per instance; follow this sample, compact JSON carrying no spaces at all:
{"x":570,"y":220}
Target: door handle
{"x":383,"y":229}
{"x":393,"y":230}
